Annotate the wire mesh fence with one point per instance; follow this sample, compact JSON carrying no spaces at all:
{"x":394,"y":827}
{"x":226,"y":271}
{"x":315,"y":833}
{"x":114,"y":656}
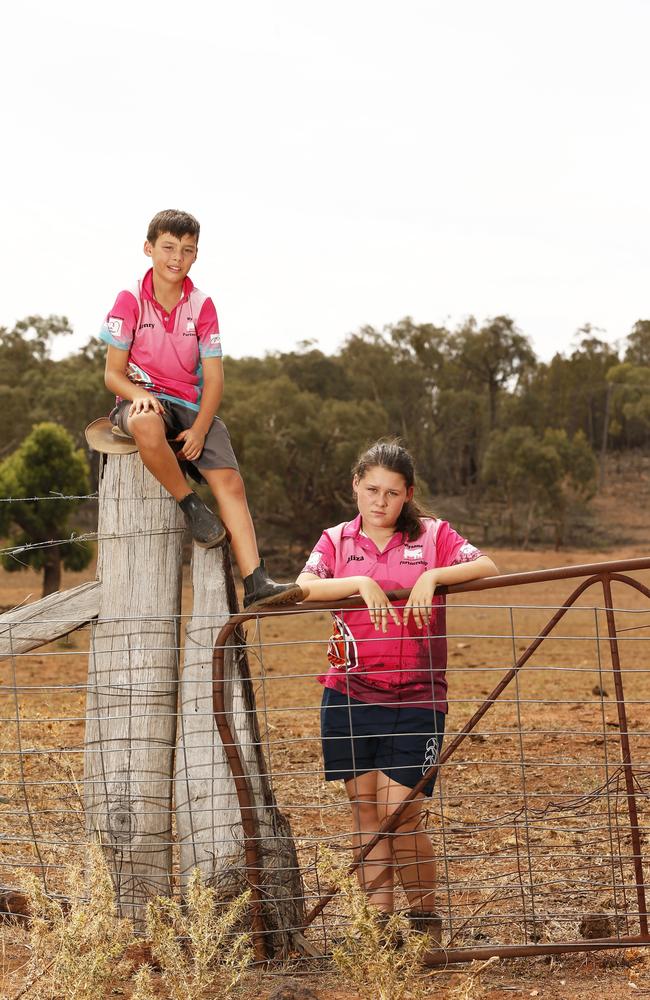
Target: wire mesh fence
{"x":538,"y":820}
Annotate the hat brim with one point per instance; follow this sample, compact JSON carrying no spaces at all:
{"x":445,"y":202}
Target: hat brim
{"x":100,"y":437}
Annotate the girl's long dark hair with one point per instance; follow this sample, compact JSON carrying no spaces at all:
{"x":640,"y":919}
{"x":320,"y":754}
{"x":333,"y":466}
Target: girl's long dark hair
{"x":393,"y":456}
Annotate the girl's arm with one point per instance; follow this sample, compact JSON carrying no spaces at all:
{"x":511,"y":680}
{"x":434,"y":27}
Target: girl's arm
{"x":420,"y":599}
{"x":379,"y":607}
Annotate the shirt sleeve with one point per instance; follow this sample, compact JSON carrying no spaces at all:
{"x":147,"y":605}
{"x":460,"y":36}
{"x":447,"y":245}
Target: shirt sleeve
{"x":322,"y":560}
{"x":118,"y":328}
{"x":207,"y":331}
{"x":452,"y":548}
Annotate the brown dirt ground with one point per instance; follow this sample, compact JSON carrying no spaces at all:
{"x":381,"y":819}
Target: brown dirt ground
{"x":566,"y":731}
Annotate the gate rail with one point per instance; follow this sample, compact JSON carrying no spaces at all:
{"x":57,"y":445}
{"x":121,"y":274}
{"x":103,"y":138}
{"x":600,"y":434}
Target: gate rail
{"x":605,"y":574}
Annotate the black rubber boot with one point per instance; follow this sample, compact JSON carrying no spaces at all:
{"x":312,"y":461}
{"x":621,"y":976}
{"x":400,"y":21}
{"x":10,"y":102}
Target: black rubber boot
{"x":260,"y":589}
{"x":207,"y":529}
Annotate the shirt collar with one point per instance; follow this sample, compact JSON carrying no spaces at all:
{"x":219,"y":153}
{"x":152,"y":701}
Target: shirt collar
{"x":147,"y":287}
{"x":353,"y":530}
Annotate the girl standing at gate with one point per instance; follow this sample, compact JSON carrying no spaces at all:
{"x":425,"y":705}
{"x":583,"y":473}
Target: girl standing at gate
{"x":384,"y":703}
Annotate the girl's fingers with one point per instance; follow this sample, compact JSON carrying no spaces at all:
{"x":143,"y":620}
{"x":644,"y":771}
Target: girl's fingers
{"x":379,"y":615}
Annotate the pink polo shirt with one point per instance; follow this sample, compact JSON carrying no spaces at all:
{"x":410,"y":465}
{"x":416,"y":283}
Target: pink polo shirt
{"x":406,"y":664}
{"x":165,"y":349}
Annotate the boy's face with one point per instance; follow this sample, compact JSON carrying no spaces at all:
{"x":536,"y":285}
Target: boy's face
{"x":171,"y":257}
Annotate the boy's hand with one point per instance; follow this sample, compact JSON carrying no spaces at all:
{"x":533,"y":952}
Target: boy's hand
{"x":420,"y":600}
{"x":193,"y":442}
{"x":145,"y":404}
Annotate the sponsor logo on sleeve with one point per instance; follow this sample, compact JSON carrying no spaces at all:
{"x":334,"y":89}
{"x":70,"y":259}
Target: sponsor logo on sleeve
{"x":114,"y":326}
{"x":467,"y":553}
{"x":215,"y":339}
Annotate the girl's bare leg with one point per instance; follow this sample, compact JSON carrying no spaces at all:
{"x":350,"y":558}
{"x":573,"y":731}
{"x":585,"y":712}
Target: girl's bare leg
{"x":411,"y":846}
{"x":377,"y":869}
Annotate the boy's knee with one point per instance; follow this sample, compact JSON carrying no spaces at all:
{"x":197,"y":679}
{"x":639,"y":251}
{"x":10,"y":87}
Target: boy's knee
{"x":147,"y":428}
{"x":230,"y":481}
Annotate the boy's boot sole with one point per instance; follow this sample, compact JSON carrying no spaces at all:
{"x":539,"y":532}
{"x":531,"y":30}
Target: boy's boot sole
{"x":291,"y":595}
{"x":218,"y":542}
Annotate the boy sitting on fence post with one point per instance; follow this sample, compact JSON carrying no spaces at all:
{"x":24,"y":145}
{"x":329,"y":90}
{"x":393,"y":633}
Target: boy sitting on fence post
{"x":164,"y":362}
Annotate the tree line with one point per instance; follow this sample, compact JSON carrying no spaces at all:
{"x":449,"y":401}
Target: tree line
{"x":521,"y":441}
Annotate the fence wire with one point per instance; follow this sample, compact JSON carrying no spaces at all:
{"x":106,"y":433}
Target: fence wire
{"x":538,"y":821}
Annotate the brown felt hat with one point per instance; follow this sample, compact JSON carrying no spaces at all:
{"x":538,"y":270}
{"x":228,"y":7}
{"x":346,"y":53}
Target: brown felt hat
{"x":103,"y":436}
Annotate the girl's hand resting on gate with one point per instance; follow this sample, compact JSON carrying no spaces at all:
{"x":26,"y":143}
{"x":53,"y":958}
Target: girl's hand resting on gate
{"x":379,"y":607}
{"x":420,"y":600}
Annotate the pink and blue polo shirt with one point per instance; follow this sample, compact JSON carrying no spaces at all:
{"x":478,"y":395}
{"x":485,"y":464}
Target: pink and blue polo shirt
{"x":405,"y":664}
{"x":165,"y":349}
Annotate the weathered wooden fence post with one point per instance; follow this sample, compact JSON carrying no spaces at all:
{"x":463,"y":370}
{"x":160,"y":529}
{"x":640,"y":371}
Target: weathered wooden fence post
{"x":132,"y":681}
{"x":208,"y":819}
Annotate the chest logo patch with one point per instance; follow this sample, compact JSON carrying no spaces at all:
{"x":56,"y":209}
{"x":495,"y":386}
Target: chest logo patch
{"x":413,"y":553}
{"x":190,"y":326}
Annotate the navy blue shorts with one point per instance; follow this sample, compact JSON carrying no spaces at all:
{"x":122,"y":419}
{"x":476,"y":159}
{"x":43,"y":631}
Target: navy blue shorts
{"x":358,"y":737}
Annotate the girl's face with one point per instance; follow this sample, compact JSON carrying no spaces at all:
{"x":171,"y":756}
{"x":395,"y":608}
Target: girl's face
{"x":380,"y":496}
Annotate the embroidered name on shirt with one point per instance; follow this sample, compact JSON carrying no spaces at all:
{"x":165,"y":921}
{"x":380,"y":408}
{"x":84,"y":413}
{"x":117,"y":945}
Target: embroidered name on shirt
{"x":354,"y":559}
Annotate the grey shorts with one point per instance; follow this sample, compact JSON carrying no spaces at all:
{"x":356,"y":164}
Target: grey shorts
{"x":217,"y":450}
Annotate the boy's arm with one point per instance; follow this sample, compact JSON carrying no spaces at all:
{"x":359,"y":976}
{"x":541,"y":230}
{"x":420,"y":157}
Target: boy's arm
{"x":211,"y":393}
{"x":115,"y":379}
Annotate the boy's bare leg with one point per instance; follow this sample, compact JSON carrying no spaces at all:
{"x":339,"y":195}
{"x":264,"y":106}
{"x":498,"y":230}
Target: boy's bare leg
{"x":377,"y":868}
{"x":411,"y":845}
{"x":148,"y":430}
{"x":228,"y":489}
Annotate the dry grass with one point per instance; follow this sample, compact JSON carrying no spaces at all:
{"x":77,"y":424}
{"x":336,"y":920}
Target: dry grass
{"x":200,"y":949}
{"x":79,"y":947}
{"x":383,"y":961}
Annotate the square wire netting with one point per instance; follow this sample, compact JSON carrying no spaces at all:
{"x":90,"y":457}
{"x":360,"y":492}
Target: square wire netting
{"x":538,"y":820}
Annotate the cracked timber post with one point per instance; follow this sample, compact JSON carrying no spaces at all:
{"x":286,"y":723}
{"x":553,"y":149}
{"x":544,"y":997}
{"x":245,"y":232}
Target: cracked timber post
{"x":208,"y":814}
{"x":133,"y":682}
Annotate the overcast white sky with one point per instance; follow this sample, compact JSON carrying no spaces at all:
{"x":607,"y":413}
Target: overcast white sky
{"x":350,"y":162}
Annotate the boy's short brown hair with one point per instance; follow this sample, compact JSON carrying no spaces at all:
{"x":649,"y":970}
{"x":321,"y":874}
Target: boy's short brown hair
{"x":172,"y":221}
